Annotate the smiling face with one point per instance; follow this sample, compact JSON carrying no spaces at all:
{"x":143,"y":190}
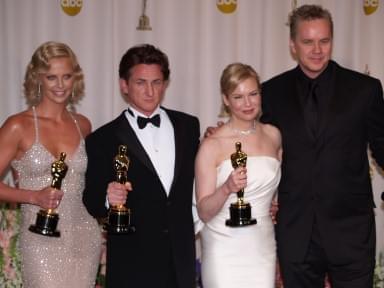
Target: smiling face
{"x":57,"y":82}
{"x":144,"y":88}
{"x":244,"y":102}
{"x":312,"y":46}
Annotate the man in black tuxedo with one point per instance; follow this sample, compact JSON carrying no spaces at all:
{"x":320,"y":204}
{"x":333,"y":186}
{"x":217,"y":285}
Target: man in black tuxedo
{"x":328,"y":117}
{"x":161,"y":145}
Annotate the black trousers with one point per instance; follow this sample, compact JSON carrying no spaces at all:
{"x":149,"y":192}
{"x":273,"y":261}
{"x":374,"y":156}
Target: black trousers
{"x":172,"y":279}
{"x":311,"y":272}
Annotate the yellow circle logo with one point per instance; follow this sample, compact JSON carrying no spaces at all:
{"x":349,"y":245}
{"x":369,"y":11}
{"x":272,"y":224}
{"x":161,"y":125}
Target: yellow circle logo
{"x":370,"y":6}
{"x":71,"y":7}
{"x":226,"y":6}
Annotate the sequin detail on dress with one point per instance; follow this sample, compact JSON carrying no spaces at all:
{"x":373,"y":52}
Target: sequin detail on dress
{"x":71,"y":260}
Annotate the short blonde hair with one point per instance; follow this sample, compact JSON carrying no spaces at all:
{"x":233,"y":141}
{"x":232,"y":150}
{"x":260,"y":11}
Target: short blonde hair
{"x":40,"y":63}
{"x":232,"y":76}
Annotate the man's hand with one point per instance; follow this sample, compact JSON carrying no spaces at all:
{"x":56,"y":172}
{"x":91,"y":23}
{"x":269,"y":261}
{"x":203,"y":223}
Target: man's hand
{"x":212,"y":129}
{"x":117,"y":193}
{"x":273,"y":210}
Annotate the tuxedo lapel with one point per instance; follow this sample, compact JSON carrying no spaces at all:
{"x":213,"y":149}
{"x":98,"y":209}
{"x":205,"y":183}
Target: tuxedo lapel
{"x":328,"y":108}
{"x":127,"y":136}
{"x":178,"y":131}
{"x":179,"y":147}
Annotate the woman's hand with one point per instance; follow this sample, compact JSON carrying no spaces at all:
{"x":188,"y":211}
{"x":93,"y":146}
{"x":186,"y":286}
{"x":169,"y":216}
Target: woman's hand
{"x":236,"y":181}
{"x":47,"y":198}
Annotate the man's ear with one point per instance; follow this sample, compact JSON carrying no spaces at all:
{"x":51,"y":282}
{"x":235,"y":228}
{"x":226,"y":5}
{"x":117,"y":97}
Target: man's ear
{"x":123,"y":86}
{"x":166,"y":83}
{"x":292,"y":49}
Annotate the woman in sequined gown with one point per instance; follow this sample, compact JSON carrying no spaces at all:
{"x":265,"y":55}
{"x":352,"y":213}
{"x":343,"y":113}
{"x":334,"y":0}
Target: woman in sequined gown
{"x":241,"y":257}
{"x":30,"y":142}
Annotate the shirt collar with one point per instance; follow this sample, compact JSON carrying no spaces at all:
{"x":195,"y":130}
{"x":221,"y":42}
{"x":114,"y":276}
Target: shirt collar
{"x":324,"y":77}
{"x":132,"y":112}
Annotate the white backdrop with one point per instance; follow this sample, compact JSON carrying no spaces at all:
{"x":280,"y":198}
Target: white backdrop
{"x":199,"y":39}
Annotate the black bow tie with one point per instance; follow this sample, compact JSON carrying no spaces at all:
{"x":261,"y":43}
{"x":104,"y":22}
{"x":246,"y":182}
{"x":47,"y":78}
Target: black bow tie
{"x":142,"y":122}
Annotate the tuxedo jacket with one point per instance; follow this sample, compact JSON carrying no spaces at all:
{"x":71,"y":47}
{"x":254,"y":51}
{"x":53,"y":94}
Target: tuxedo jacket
{"x":164,"y":237}
{"x":326,"y":178}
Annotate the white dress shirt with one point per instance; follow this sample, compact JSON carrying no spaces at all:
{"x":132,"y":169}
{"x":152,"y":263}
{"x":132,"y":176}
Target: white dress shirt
{"x":158,"y":142}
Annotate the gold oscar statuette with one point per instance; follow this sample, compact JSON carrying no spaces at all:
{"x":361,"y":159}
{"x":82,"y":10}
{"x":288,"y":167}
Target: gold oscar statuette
{"x":46,"y":220}
{"x":119,"y":216}
{"x":240,"y":211}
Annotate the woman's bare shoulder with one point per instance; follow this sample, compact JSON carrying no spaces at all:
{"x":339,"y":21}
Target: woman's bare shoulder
{"x":220,"y":146}
{"x":208,"y":143}
{"x":18,"y":122}
{"x":216,"y":139}
{"x":84,"y":124}
{"x":271,"y":130}
{"x":273,"y":136}
{"x":16,"y":132}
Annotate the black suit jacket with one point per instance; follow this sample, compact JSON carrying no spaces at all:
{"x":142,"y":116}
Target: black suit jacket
{"x":164,"y":223}
{"x":327,"y":178}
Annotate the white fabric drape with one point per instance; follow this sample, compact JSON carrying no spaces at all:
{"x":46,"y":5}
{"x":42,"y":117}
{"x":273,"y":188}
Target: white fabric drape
{"x":199,"y":40}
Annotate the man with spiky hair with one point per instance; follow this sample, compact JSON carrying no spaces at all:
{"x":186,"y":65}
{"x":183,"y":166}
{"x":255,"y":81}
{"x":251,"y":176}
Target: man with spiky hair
{"x":328,"y":117}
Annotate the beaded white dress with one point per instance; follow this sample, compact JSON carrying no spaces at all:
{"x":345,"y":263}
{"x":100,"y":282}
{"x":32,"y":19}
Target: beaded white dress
{"x":243,"y":257}
{"x":72,"y":259}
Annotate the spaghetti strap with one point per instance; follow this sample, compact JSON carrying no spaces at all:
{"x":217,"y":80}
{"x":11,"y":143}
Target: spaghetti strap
{"x":36,"y":123}
{"x":77,"y":124}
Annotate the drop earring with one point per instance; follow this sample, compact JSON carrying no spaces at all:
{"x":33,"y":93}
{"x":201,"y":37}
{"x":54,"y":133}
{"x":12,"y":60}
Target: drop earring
{"x":38,"y":96}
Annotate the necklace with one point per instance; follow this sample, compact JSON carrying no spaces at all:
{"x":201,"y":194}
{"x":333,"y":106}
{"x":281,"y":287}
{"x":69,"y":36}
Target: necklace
{"x":243,"y":132}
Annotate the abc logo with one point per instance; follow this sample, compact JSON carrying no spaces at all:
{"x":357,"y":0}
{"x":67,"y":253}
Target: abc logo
{"x":370,"y":6}
{"x":226,"y":6}
{"x":71,"y":7}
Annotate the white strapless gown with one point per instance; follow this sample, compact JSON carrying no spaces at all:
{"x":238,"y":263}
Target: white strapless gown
{"x":243,"y":257}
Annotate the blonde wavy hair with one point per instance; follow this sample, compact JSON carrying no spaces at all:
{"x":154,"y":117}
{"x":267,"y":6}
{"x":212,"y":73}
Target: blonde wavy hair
{"x":40,"y":63}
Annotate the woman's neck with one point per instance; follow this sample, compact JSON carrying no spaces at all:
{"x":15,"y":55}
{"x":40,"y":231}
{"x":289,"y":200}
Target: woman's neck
{"x":244,"y":128}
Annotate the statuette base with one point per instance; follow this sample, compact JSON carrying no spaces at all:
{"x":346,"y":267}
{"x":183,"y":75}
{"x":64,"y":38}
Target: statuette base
{"x":119,"y":222}
{"x":46,"y":224}
{"x":240,"y":215}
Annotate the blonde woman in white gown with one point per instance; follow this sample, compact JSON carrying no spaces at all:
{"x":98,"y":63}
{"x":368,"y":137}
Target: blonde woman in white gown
{"x":241,"y":257}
